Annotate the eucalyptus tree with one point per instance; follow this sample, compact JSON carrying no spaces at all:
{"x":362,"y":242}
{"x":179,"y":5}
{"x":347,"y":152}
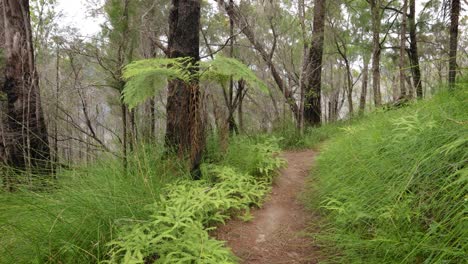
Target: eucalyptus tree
{"x":313,"y":98}
{"x":116,"y":51}
{"x":185,"y":125}
{"x":454,"y":21}
{"x":413,"y":49}
{"x":24,"y":136}
{"x":376,"y":50}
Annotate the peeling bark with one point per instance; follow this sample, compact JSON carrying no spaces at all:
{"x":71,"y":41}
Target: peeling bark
{"x":25,"y":139}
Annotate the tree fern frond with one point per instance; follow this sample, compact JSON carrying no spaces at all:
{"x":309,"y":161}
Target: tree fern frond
{"x":145,"y":77}
{"x":221,"y":69}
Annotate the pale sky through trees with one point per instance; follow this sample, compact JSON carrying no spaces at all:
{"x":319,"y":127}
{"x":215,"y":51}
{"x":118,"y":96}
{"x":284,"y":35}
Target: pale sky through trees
{"x":75,"y":14}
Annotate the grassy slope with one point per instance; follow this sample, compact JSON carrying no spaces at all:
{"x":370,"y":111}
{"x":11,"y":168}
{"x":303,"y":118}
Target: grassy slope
{"x":73,"y":223}
{"x":95,"y":205}
{"x":392,"y":188}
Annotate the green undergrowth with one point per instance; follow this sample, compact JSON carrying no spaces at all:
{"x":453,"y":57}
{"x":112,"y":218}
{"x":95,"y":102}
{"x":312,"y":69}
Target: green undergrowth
{"x":73,"y":222}
{"x":311,"y":138}
{"x":177,"y":230}
{"x":393,"y":187}
{"x":154,"y":212}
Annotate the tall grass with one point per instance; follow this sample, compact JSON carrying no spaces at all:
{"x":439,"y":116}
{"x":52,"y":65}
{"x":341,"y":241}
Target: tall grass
{"x":312,"y":137}
{"x":393,"y":188}
{"x":74,"y":222}
{"x":93,"y":213}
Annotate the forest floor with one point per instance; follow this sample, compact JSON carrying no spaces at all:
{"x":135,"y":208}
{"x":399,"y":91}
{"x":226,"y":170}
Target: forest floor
{"x":277,"y":232}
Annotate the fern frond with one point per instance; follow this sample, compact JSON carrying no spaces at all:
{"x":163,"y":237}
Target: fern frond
{"x":145,"y":77}
{"x":221,"y":69}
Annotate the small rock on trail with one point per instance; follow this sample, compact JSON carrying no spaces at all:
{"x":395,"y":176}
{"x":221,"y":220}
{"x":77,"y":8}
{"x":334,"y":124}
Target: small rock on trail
{"x":277,"y":232}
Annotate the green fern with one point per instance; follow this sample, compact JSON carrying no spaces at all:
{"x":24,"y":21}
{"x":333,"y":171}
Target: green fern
{"x":177,"y":231}
{"x":145,"y":77}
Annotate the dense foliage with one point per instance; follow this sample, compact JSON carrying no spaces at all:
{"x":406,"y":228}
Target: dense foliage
{"x":153,"y":210}
{"x":178,"y":225}
{"x":393,"y":188}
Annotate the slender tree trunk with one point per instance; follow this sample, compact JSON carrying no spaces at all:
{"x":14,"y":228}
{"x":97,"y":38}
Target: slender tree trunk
{"x":240,"y":113}
{"x":454,"y":17}
{"x":403,"y":93}
{"x":305,"y":63}
{"x":233,"y":13}
{"x":365,"y":81}
{"x":313,"y":108}
{"x":231,"y":104}
{"x":375,"y":9}
{"x":57,"y":90}
{"x":26,"y":144}
{"x":413,"y":51}
{"x":185,"y":129}
{"x":123,"y":108}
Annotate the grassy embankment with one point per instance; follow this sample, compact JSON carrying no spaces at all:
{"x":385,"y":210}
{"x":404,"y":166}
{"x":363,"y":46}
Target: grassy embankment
{"x":392,"y":187}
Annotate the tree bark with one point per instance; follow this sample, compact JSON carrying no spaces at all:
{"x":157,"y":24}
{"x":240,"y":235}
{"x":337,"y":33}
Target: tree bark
{"x":365,"y":81}
{"x":25,"y":139}
{"x":413,"y":51}
{"x":375,"y":10}
{"x":185,"y":129}
{"x":313,"y":108}
{"x":240,"y":113}
{"x":454,"y":17}
{"x":402,"y":78}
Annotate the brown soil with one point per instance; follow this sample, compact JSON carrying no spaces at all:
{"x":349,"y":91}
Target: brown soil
{"x":277,"y":232}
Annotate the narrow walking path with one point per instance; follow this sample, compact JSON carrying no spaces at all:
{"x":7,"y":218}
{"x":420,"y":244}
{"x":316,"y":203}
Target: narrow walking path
{"x":276,"y":234}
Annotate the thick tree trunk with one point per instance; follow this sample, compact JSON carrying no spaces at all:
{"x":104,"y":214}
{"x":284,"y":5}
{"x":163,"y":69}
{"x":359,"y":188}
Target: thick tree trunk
{"x":413,"y":51}
{"x":185,"y":129}
{"x":375,"y":9}
{"x":454,"y":17}
{"x":402,"y":78}
{"x":365,"y":81}
{"x":25,"y":137}
{"x":313,"y":108}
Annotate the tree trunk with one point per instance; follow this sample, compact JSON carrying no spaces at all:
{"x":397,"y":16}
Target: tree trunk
{"x":403,"y":93}
{"x":365,"y":81}
{"x":123,"y":109}
{"x":240,"y":113}
{"x":231,"y":105}
{"x":312,"y":108}
{"x":375,"y":9}
{"x":413,"y":51}
{"x":185,"y":129}
{"x":233,"y":13}
{"x":454,"y":17}
{"x":26,"y":144}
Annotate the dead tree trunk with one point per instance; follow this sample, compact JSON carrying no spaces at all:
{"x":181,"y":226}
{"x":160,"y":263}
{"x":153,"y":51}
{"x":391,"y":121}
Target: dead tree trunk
{"x":185,"y":129}
{"x":454,"y":17}
{"x":25,"y":137}
{"x":313,"y":96}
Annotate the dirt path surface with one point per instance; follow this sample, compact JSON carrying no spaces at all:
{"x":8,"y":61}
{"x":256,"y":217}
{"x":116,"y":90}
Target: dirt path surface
{"x":276,"y":234}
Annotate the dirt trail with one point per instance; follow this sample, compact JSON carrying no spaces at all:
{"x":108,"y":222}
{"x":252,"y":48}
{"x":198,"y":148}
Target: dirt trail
{"x":276,"y":234}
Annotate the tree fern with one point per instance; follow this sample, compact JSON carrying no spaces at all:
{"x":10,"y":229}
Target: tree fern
{"x":145,"y":77}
